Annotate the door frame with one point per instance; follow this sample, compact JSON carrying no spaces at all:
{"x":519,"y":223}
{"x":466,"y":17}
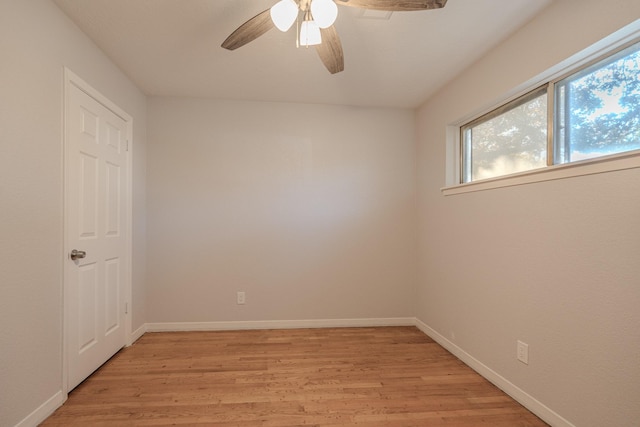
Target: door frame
{"x":72,"y":79}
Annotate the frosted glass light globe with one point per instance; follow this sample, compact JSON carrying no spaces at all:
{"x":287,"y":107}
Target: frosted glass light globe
{"x":284,"y":14}
{"x":310,"y":34}
{"x":324,"y":12}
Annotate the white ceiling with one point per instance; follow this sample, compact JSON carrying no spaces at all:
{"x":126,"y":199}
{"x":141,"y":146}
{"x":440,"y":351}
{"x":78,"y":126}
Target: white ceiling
{"x":172,"y":48}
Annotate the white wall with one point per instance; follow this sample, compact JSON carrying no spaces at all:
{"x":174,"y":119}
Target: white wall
{"x":554,"y":264}
{"x":36,"y":42}
{"x":309,"y":209}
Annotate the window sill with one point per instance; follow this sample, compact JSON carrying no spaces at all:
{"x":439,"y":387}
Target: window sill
{"x":615,"y":162}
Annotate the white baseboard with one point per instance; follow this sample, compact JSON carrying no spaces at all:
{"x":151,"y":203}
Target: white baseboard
{"x":532,"y":404}
{"x":43,"y":411}
{"x":135,"y":335}
{"x":278,"y":324}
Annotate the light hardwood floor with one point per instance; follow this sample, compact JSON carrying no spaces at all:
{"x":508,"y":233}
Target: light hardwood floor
{"x":392,"y":377}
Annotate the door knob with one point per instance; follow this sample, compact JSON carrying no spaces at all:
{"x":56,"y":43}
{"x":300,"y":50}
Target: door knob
{"x":76,"y":254}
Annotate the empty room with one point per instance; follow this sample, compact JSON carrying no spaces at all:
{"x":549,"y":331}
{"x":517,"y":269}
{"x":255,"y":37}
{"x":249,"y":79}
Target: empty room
{"x":320,"y":212}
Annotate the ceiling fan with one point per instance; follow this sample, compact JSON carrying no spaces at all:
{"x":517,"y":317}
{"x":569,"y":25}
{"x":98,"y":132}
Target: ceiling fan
{"x":317,"y":27}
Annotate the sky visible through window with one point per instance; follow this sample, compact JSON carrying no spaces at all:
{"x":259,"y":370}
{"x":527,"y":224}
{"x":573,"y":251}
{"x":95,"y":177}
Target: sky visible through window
{"x":602,"y":109}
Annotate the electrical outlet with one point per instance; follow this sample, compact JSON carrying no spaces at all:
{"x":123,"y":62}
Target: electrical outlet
{"x":522,"y":352}
{"x":240,"y":298}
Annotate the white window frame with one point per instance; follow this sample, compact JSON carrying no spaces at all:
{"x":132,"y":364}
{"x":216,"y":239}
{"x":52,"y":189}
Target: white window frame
{"x":615,"y":162}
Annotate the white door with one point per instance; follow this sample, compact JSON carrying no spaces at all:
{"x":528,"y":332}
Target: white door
{"x":96,"y":200}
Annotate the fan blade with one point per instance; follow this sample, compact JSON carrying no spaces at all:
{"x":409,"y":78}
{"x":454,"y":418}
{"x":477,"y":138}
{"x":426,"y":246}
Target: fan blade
{"x":394,"y":5}
{"x":330,"y":50}
{"x":249,"y":31}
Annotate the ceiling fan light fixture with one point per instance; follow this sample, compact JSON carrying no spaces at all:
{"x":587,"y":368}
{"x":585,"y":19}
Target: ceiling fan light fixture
{"x":324,"y":12}
{"x":310,"y":34}
{"x":284,"y":14}
{"x":317,"y":28}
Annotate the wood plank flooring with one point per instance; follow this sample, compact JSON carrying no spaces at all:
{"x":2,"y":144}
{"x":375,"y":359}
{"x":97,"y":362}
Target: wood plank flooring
{"x":392,"y":377}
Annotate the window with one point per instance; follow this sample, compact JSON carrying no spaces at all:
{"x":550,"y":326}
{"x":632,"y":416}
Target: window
{"x":592,"y":112}
{"x":511,"y":139}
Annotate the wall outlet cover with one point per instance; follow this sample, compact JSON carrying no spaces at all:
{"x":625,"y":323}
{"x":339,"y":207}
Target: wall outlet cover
{"x":522,"y":352}
{"x":240,"y":298}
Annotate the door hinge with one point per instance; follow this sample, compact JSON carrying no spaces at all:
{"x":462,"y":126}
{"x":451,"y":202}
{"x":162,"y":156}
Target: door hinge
{"x":126,"y":308}
{"x":127,"y":145}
